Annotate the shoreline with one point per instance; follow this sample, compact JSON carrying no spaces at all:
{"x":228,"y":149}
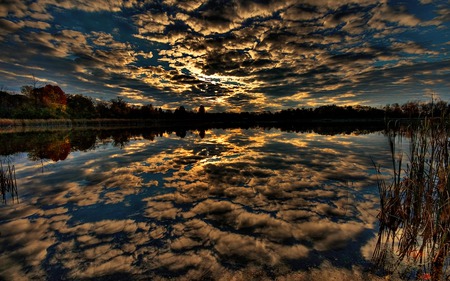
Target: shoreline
{"x":22,"y":125}
{"x":9,"y":122}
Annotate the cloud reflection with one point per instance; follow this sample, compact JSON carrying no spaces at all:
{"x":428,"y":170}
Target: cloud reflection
{"x":196,"y":207}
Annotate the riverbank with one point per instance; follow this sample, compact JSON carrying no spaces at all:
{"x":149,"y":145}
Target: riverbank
{"x":32,"y":125}
{"x":103,"y":121}
{"x":5,"y":123}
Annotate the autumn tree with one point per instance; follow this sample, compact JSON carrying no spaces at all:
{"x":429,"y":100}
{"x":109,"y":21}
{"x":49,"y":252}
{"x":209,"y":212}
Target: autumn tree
{"x":51,"y":96}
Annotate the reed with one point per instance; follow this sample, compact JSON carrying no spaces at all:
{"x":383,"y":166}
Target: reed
{"x":8,"y":182}
{"x":414,"y":217}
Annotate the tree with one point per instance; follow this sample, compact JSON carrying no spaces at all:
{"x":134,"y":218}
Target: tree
{"x":440,"y":108}
{"x":27,"y":90}
{"x":102,"y":109}
{"x":10,"y":104}
{"x":201,"y":110}
{"x":79,"y":106}
{"x":148,"y":111}
{"x":119,"y":107}
{"x":180,"y":112}
{"x":51,"y":96}
{"x":411,"y":109}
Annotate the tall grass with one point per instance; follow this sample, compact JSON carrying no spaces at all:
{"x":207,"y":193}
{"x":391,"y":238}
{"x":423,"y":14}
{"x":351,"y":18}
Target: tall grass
{"x":414,"y":217}
{"x":8,"y":182}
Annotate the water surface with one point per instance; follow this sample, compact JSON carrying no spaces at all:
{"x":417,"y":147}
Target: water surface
{"x":207,"y":204}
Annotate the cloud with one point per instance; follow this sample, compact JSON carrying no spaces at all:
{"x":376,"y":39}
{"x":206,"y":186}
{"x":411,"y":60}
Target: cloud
{"x":9,"y":27}
{"x":186,"y":5}
{"x":101,"y":5}
{"x":29,"y":241}
{"x":188,"y":51}
{"x":17,"y":8}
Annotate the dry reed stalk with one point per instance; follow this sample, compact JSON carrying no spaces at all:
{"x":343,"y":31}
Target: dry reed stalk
{"x":414,"y":215}
{"x":8,"y":182}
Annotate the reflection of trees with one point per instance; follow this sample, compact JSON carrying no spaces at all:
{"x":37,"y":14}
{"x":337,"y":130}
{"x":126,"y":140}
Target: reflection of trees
{"x":181,"y":133}
{"x":48,"y":145}
{"x":121,"y":138}
{"x":149,"y":135}
{"x":415,"y":207}
{"x":55,"y":150}
{"x":83,"y":140}
{"x":57,"y":145}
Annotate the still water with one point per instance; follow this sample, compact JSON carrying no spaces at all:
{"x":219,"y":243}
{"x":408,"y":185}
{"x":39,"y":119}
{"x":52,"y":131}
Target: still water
{"x":215,"y":204}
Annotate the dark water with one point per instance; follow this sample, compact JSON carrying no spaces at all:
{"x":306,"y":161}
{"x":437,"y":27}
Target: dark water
{"x":195,"y":205}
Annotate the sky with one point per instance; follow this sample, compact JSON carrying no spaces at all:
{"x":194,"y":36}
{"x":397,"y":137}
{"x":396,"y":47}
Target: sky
{"x":237,"y":55}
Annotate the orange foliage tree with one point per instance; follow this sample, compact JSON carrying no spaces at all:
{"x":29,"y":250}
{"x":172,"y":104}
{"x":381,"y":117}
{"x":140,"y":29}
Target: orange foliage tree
{"x":51,"y":96}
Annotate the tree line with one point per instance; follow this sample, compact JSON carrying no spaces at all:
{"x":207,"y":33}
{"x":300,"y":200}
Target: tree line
{"x":51,"y":102}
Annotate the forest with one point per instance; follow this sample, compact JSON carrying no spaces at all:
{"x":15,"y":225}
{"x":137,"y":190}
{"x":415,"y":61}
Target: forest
{"x":51,"y":102}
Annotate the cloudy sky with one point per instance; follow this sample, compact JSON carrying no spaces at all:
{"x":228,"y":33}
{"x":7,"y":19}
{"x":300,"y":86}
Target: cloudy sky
{"x":230,"y":55}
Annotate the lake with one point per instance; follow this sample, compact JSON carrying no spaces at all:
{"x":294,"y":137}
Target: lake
{"x":207,"y":204}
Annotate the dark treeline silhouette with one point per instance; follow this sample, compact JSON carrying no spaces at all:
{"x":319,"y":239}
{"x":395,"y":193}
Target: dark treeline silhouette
{"x":50,"y":102}
{"x":57,"y":145}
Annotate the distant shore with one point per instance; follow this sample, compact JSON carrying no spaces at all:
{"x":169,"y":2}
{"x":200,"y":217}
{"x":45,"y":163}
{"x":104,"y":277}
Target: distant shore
{"x":5,"y":123}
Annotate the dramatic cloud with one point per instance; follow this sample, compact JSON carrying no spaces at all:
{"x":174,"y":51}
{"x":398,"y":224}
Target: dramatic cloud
{"x":235,"y":55}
